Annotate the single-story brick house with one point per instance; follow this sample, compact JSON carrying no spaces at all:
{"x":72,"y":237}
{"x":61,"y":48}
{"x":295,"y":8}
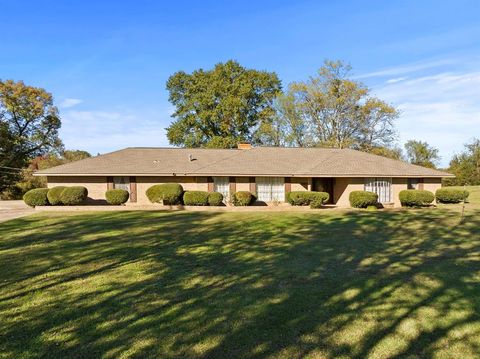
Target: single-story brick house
{"x":270,"y":172}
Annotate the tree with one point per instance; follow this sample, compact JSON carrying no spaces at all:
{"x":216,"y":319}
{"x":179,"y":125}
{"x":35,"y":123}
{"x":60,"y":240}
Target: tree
{"x":389,"y":152}
{"x":286,"y":128}
{"x":220,"y":107}
{"x":422,"y":154}
{"x":28,"y":181}
{"x":29,"y":126}
{"x":336,"y":111}
{"x":466,"y":165}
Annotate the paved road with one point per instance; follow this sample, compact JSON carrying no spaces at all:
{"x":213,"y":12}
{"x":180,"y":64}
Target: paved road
{"x":13,"y":209}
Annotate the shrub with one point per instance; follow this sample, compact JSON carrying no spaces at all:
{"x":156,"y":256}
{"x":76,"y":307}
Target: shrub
{"x":215,"y":199}
{"x":117,"y":196}
{"x":53,"y":195}
{"x":305,"y":198}
{"x":316,"y":203}
{"x":167,"y":193}
{"x":73,"y":195}
{"x":451,"y":195}
{"x":362,"y":199}
{"x":242,"y":198}
{"x":195,"y":198}
{"x":415,"y":197}
{"x":36,"y":197}
{"x":371,"y":208}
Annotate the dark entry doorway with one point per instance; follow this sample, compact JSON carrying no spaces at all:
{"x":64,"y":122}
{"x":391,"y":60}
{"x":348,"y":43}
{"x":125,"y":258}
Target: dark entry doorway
{"x":324,"y":185}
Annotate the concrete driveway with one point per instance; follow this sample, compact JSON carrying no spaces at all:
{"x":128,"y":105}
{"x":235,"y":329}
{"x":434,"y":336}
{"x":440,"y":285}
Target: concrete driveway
{"x":14,"y":209}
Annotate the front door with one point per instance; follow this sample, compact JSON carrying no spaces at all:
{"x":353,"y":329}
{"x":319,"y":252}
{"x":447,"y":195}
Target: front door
{"x":324,"y":185}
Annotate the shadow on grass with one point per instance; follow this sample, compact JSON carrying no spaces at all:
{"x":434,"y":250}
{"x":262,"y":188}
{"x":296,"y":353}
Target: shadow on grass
{"x":254,"y":285}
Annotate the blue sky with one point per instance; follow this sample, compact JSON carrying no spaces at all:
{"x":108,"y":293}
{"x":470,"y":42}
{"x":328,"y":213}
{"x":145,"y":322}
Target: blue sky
{"x":106,"y":62}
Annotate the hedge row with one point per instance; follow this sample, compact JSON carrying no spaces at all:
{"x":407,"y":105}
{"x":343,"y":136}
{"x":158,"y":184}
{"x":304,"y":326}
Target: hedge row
{"x":362,"y":199}
{"x":415,"y":198}
{"x":167,"y":193}
{"x":173,"y":193}
{"x":307,"y":198}
{"x":59,"y":195}
{"x":53,"y":195}
{"x":36,"y":197}
{"x":242,"y":198}
{"x":451,"y":195}
{"x":117,"y":196}
{"x":195,"y":198}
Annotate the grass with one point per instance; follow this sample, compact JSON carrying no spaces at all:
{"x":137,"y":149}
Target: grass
{"x":325,"y":284}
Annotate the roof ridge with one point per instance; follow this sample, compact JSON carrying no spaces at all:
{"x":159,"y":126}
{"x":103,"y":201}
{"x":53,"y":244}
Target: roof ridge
{"x":395,"y":160}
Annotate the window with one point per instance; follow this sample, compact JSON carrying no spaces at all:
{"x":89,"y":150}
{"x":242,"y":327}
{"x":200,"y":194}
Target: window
{"x":121,"y":183}
{"x":381,"y":186}
{"x":222,"y":185}
{"x":413,"y":183}
{"x":270,"y":189}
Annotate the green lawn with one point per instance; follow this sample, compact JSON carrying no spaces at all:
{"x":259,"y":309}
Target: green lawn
{"x":325,"y":284}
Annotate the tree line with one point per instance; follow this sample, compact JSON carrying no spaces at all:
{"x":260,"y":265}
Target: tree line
{"x":226,"y":105}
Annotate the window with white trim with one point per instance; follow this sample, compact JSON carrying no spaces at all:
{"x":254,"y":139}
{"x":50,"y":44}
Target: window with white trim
{"x":122,"y":182}
{"x":382,"y":187}
{"x":222,"y":185}
{"x":270,"y":189}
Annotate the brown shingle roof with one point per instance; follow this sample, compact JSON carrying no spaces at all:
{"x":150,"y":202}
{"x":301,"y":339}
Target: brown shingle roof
{"x":259,"y":161}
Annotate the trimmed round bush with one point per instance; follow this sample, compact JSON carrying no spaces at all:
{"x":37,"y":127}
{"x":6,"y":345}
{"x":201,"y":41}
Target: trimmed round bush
{"x":242,"y":198}
{"x":305,"y":198}
{"x":54,"y":194}
{"x":371,"y":208}
{"x":362,"y":199}
{"x":74,"y":195}
{"x":215,"y":199}
{"x":117,"y":196}
{"x":415,"y":198}
{"x":316,"y":203}
{"x":36,"y":197}
{"x":166,"y":193}
{"x":451,"y":195}
{"x":195,"y":198}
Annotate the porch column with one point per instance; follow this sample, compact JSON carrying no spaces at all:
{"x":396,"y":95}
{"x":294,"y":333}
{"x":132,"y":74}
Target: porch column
{"x":309,"y":185}
{"x":133,"y":189}
{"x":210,"y":184}
{"x":420,"y":183}
{"x":233,"y":185}
{"x":109,"y":182}
{"x":288,"y":185}
{"x":252,"y":187}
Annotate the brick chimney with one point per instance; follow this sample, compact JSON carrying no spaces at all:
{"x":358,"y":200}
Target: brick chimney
{"x":244,"y":146}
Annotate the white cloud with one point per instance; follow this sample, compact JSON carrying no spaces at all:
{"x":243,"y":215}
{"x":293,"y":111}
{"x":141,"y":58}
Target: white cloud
{"x":442,"y":109}
{"x":70,"y":102}
{"x":397,"y":79}
{"x":106,"y":131}
{"x":407,"y":68}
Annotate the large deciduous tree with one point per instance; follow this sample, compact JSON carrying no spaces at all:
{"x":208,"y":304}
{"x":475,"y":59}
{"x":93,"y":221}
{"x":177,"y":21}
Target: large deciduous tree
{"x":28,"y":181}
{"x":222,"y":106}
{"x":29,"y":124}
{"x":333,"y":110}
{"x":466,"y":165}
{"x":422,"y":154}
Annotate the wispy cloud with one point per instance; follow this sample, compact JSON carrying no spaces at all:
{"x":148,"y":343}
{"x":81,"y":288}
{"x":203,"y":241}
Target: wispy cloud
{"x":442,"y":109}
{"x":397,"y":79}
{"x":408,"y":68}
{"x":105,"y":131}
{"x":70,"y":102}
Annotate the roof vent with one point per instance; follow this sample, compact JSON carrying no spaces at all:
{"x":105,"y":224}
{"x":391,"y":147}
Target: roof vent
{"x":190,"y":157}
{"x":244,"y":146}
